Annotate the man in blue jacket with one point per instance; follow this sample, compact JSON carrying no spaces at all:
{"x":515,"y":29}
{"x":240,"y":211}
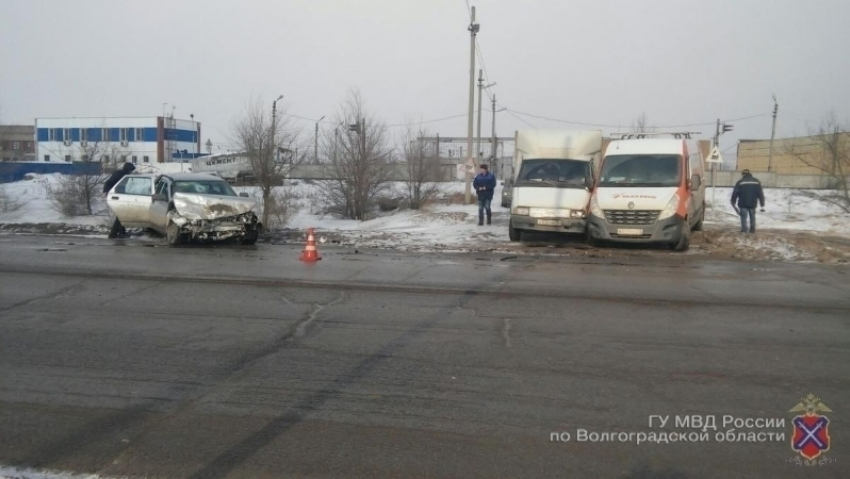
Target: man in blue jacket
{"x":484,"y":184}
{"x":747,"y":194}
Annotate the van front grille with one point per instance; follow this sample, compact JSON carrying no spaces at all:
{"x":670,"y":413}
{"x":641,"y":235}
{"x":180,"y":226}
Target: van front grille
{"x":631,"y":217}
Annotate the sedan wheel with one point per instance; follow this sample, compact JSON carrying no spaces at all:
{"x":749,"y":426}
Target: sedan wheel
{"x":173,"y":235}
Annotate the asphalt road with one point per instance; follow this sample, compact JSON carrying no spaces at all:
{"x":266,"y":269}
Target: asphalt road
{"x":123,"y":359}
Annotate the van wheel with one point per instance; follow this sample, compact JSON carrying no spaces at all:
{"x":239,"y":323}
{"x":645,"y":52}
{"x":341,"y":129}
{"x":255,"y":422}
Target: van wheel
{"x":698,"y":226}
{"x":513,"y":233}
{"x":684,"y":240}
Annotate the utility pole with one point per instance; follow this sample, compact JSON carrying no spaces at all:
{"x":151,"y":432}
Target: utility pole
{"x":316,"y":142}
{"x":437,"y":155}
{"x":473,"y":30}
{"x":714,"y":166}
{"x":478,"y":135}
{"x":772,"y":133}
{"x":493,"y":135}
{"x":274,"y":126}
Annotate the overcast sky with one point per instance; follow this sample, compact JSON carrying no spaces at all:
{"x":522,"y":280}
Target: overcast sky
{"x":589,"y":61}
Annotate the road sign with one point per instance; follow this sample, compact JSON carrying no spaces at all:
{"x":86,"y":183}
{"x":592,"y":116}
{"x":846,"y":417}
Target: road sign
{"x":715,"y":156}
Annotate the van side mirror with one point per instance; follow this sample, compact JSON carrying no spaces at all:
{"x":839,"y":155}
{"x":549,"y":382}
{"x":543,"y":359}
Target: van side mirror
{"x":159,"y":197}
{"x":695,"y":182}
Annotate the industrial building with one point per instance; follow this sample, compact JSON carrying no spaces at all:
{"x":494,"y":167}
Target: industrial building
{"x":17,"y":143}
{"x":110,"y":140}
{"x":802,"y":155}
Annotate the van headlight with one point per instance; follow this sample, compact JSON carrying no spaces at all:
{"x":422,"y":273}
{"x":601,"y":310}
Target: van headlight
{"x":671,"y":208}
{"x":595,"y":210}
{"x":521,"y":210}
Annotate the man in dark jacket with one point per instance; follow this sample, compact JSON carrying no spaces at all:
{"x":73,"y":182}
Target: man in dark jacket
{"x":747,"y":194}
{"x":117,"y":228}
{"x":484,"y":184}
{"x":117,"y":176}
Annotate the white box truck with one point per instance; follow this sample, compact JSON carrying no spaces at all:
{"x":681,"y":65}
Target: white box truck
{"x":553,"y":180}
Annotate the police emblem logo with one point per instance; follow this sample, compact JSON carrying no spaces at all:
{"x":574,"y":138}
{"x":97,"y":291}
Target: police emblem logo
{"x":810,"y":433}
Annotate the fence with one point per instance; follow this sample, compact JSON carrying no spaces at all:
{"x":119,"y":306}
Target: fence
{"x":776,"y":180}
{"x":15,"y":171}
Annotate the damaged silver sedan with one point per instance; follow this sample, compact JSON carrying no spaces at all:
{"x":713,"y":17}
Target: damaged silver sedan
{"x":185,"y":206}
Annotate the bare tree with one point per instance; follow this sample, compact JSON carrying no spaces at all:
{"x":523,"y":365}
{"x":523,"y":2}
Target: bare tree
{"x":423,"y":166}
{"x":828,"y":151}
{"x":261,"y":137}
{"x":641,"y":124}
{"x":79,"y":193}
{"x":359,"y":160}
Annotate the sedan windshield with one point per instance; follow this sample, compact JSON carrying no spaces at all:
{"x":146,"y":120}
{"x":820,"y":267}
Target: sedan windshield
{"x":557,"y":173}
{"x":204,"y":187}
{"x":641,"y":170}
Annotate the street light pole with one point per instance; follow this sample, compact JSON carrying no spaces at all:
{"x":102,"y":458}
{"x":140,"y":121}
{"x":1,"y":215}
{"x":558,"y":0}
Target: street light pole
{"x":772,"y":133}
{"x":274,"y":126}
{"x":473,"y":30}
{"x":316,"y":142}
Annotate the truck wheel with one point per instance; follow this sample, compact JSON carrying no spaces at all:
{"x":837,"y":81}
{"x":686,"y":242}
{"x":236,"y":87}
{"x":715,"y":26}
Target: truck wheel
{"x":513,"y":233}
{"x":684,"y":240}
{"x":173,"y":235}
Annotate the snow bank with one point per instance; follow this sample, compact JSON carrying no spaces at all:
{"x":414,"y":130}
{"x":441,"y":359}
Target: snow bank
{"x":785,"y":209}
{"x":36,"y":207}
{"x":15,"y":473}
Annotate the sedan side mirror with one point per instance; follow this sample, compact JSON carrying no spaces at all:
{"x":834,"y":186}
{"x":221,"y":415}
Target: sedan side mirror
{"x":159,"y":197}
{"x":244,"y":195}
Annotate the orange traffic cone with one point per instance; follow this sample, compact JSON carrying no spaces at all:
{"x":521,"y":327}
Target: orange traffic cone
{"x":310,"y":252}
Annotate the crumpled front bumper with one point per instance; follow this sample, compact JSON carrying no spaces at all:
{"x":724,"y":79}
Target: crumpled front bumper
{"x":220,"y":228}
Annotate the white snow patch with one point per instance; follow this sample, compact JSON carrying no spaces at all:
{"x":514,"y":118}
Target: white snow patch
{"x":36,"y":206}
{"x":15,"y":473}
{"x":785,"y":209}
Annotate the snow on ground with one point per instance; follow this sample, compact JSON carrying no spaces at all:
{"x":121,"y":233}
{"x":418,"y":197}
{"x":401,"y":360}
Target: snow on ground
{"x":15,"y":473}
{"x":32,"y":196}
{"x":785,"y":209}
{"x":793,"y":227}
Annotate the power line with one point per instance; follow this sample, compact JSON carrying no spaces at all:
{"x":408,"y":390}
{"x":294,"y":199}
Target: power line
{"x":602,"y":125}
{"x":520,"y":119}
{"x":427,"y":121}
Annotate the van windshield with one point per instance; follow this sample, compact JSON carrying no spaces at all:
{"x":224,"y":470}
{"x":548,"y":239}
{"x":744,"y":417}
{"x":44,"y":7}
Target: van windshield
{"x":554,"y":173}
{"x":641,"y":170}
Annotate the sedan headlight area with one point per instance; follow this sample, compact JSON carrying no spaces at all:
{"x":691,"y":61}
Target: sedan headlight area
{"x":521,"y":210}
{"x":577,"y":214}
{"x":671,"y":208}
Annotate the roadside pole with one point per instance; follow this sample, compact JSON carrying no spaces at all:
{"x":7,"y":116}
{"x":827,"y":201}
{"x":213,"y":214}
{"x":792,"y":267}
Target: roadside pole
{"x":714,"y":167}
{"x":467,"y":190}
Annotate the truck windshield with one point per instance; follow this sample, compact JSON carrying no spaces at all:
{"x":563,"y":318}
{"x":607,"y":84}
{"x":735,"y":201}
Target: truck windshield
{"x":554,"y":173}
{"x":641,"y":170}
{"x":204,"y":187}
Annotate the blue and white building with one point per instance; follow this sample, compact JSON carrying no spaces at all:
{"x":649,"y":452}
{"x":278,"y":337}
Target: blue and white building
{"x":112,"y":141}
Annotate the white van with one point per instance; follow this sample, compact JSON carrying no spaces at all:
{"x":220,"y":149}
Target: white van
{"x":650,"y":190}
{"x":553,"y":176}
